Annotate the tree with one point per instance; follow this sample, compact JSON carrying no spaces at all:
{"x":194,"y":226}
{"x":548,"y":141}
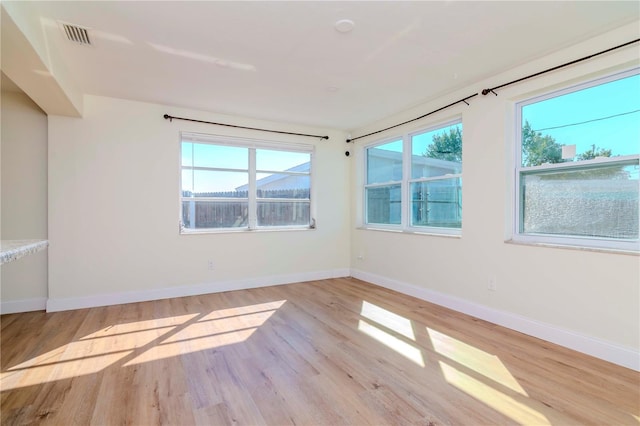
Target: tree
{"x":446,"y":146}
{"x":538,"y":149}
{"x":593,"y":153}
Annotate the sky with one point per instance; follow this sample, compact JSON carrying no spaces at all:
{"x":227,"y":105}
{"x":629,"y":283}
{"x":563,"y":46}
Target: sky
{"x":231,"y":157}
{"x":607,"y":116}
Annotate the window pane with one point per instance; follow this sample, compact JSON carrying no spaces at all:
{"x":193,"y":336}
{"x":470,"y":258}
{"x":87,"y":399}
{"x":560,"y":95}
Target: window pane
{"x":383,"y":205}
{"x":187,"y":182}
{"x":220,"y":156}
{"x":437,"y":203}
{"x":209,"y":183}
{"x":283,"y":186}
{"x":279,"y":161}
{"x":384,"y":163}
{"x":437,"y":152}
{"x":214,"y":214}
{"x":187,"y":154}
{"x":600,"y":121}
{"x":274,"y":213}
{"x":596,"y":202}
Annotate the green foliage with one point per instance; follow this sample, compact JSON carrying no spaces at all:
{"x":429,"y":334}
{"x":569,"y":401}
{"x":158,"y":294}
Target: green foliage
{"x":538,"y":149}
{"x":446,"y":146}
{"x":593,"y":153}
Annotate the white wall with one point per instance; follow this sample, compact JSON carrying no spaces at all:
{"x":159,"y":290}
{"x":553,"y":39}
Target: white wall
{"x":590,"y":297}
{"x":114,"y":209}
{"x":24,"y":199}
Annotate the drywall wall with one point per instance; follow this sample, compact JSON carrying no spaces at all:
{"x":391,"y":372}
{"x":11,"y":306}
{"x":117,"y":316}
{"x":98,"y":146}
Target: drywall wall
{"x":114,"y":210}
{"x":571,"y":292}
{"x":26,"y":60}
{"x":24,"y":198}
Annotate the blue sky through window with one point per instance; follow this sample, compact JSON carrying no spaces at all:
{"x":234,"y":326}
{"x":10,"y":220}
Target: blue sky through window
{"x":607,"y":116}
{"x":230,"y":157}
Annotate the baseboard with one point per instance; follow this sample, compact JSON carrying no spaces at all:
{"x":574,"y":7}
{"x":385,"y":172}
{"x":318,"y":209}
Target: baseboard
{"x":620,"y":355}
{"x":69,"y":303}
{"x":24,"y":305}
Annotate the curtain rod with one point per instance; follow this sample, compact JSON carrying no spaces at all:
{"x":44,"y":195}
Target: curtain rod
{"x":487,"y":91}
{"x":414,"y":119}
{"x":171,"y":118}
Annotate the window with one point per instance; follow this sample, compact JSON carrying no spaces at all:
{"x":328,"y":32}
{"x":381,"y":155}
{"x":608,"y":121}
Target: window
{"x":229,"y":184}
{"x":423,"y":167}
{"x":577,"y":165}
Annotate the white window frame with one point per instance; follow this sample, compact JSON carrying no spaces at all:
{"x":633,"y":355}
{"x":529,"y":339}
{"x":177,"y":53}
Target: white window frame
{"x":251,"y":145}
{"x":519,"y":170}
{"x":405,"y":184}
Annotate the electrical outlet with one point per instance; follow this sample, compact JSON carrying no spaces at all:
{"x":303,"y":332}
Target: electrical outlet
{"x":492,"y":284}
{"x":210,"y":265}
{"x":360,"y":256}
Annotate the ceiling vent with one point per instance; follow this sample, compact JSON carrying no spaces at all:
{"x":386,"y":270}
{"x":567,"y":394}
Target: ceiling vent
{"x":76,"y":34}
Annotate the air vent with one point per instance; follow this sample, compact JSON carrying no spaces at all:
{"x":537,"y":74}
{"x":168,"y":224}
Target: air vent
{"x":76,"y":34}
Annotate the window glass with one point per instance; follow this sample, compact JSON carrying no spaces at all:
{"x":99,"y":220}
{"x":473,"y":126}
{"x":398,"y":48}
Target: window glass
{"x":437,"y":152}
{"x":279,"y":161}
{"x":599,"y":121}
{"x":437,"y":203}
{"x":215,"y":183}
{"x":280,"y":185}
{"x":278,"y":213}
{"x":384,"y":205}
{"x":220,"y":156}
{"x":222,"y":189}
{"x":384,"y":162}
{"x":597,"y":201}
{"x":579,"y":163}
{"x":215,"y":214}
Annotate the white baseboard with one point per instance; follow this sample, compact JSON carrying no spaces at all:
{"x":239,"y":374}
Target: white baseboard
{"x":68,"y":303}
{"x":620,"y":355}
{"x":24,"y":305}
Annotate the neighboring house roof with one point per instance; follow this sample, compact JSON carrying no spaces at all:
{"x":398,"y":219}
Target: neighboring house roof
{"x":304,"y":167}
{"x":424,"y":161}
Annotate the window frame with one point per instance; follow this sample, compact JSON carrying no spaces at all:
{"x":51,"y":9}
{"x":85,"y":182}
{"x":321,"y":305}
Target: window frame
{"x":577,"y":241}
{"x":406,"y":224}
{"x":252,"y":198}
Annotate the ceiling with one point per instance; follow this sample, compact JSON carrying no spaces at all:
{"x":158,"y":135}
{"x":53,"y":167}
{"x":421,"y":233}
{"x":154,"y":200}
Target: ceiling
{"x":285,"y":61}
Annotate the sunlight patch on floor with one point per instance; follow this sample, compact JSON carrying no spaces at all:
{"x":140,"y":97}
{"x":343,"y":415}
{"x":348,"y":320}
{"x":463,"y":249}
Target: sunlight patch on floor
{"x":145,"y":340}
{"x":244,"y":310}
{"x":405,"y":349}
{"x":493,"y":398}
{"x":475,"y":359}
{"x":392,"y":321}
{"x":58,"y":369}
{"x":138,"y":326}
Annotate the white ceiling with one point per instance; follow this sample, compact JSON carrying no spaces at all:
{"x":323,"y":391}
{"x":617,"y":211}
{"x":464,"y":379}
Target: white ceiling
{"x":284,"y":61}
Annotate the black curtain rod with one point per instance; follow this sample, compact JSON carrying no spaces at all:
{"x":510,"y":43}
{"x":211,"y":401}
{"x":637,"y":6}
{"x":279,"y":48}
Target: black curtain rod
{"x":171,"y":118}
{"x":414,"y":119}
{"x":487,"y":91}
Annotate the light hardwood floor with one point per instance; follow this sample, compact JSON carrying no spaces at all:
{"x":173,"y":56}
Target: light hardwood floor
{"x":329,"y":352}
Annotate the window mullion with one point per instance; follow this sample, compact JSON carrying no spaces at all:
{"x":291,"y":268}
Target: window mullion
{"x":253,"y":203}
{"x":405,"y":187}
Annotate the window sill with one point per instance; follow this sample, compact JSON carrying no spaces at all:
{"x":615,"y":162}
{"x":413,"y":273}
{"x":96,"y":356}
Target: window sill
{"x":574,"y":247}
{"x":457,"y":235}
{"x":243,"y":230}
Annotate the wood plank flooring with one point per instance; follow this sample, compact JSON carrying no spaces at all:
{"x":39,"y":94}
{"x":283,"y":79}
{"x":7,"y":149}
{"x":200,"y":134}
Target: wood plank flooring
{"x":329,"y":352}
